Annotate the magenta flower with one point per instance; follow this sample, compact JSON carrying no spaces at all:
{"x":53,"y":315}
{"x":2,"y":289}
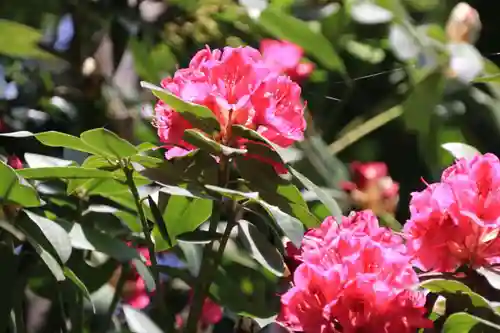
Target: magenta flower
{"x":14,"y":162}
{"x":239,"y":88}
{"x":457,"y":221}
{"x":136,"y":294}
{"x":355,"y":277}
{"x":286,"y":57}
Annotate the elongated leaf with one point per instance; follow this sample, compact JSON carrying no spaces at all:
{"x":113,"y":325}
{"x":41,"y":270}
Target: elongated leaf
{"x":160,"y":223}
{"x":108,"y":143}
{"x":464,"y":322}
{"x":461,"y":150}
{"x":260,"y":248}
{"x":275,"y":190}
{"x":72,"y":276}
{"x":11,"y":190}
{"x":184,"y":214}
{"x":43,"y":161}
{"x":48,"y":259}
{"x":199,"y":116}
{"x":292,"y":227}
{"x":47,"y":233}
{"x":85,"y":238}
{"x":200,"y":140}
{"x":199,"y":237}
{"x":326,"y":199}
{"x":55,"y":139}
{"x":19,"y":40}
{"x":233,"y":194}
{"x":443,"y":285}
{"x":68,"y":172}
{"x":138,"y":322}
{"x":283,"y":26}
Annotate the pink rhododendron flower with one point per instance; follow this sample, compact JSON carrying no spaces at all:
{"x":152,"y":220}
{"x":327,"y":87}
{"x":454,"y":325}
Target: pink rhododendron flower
{"x":239,"y":88}
{"x":372,"y":187}
{"x":457,"y":221}
{"x":137,"y":295}
{"x":211,"y":314}
{"x":285,"y":57}
{"x":355,"y":277}
{"x":14,"y":162}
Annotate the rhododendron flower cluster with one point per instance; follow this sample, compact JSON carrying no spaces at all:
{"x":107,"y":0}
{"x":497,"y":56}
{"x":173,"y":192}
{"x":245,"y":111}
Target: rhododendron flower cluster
{"x":211,"y":313}
{"x":457,"y":221}
{"x":354,"y":277}
{"x":286,"y":57}
{"x":372,"y":187}
{"x":240,"y":89}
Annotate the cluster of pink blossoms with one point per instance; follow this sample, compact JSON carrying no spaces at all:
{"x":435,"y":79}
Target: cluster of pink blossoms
{"x":286,"y":57}
{"x":239,"y":87}
{"x":354,"y":277}
{"x":457,"y":221}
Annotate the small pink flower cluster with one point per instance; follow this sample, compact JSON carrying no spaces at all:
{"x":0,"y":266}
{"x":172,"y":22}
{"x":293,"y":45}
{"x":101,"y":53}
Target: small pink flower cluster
{"x":239,"y":87}
{"x":138,"y":296}
{"x":286,"y":57}
{"x":457,"y":221}
{"x":354,"y":277}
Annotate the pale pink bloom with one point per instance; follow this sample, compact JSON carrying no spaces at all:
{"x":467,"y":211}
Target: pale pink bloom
{"x":239,"y":88}
{"x":355,"y":277}
{"x":456,"y":221}
{"x":286,"y":57}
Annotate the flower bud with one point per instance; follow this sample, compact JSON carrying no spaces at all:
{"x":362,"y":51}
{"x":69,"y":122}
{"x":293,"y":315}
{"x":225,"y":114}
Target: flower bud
{"x":464,"y":24}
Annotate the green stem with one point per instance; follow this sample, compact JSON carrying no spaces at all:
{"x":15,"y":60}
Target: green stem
{"x":210,"y":261}
{"x":158,"y":296}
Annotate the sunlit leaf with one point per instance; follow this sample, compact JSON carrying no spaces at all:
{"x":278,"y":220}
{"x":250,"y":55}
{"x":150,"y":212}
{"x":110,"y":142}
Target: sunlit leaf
{"x":108,"y":143}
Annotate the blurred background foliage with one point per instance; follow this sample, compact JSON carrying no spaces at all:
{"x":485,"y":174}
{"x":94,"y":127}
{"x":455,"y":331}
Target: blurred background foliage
{"x":393,"y":79}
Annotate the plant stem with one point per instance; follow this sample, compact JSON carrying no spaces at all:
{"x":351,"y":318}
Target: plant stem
{"x":210,"y":260}
{"x":149,"y":241}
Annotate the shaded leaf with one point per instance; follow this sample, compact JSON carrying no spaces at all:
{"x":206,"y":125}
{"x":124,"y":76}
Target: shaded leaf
{"x":19,"y":40}
{"x":324,"y":197}
{"x":202,"y":141}
{"x":69,"y":172}
{"x":366,"y":12}
{"x":464,"y":322}
{"x":45,"y":232}
{"x":261,"y":249}
{"x":138,"y":322}
{"x":198,"y":237}
{"x":72,"y":276}
{"x":461,"y":150}
{"x":11,"y":190}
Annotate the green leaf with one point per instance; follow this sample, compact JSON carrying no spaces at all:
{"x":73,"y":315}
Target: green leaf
{"x":463,"y":322}
{"x":182,"y":214}
{"x":461,"y":150}
{"x":12,"y":191}
{"x":43,"y":161}
{"x":246,"y":291}
{"x":199,"y":116}
{"x":160,"y":223}
{"x":366,"y":12}
{"x":108,"y":143}
{"x":138,"y":322}
{"x":202,"y":141}
{"x":326,"y":199}
{"x":69,"y":172}
{"x":72,"y":276}
{"x":199,"y":237}
{"x":85,"y":238}
{"x":261,"y":249}
{"x":233,"y":194}
{"x":283,"y":26}
{"x":275,"y":190}
{"x":146,"y":146}
{"x":19,"y":40}
{"x":47,"y":233}
{"x":291,"y":227}
{"x":420,"y":104}
{"x":55,"y":139}
{"x":443,"y":285}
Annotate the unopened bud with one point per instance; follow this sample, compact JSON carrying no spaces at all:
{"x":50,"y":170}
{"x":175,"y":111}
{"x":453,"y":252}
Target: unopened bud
{"x":464,"y":24}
